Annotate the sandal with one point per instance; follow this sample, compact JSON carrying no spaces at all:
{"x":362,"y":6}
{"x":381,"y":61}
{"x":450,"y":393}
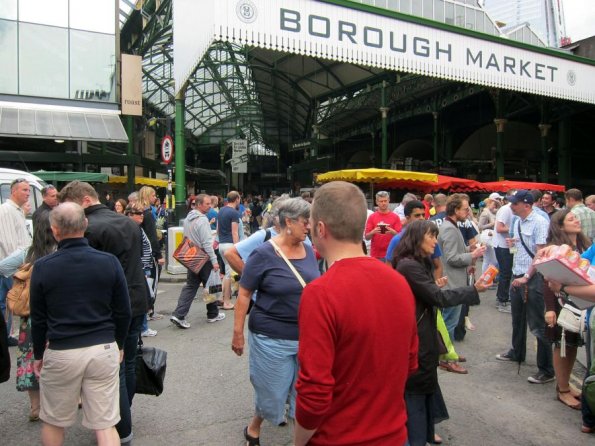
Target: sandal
{"x":250,"y":440}
{"x":437,"y":439}
{"x":575,"y":406}
{"x":34,"y":414}
{"x":231,"y":307}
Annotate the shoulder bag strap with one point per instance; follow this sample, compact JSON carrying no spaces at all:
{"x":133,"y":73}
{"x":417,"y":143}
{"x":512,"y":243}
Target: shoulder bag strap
{"x":297,"y":275}
{"x":523,"y":242}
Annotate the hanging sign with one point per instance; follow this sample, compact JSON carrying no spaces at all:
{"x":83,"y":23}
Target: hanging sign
{"x":239,"y":158}
{"x":167,"y":149}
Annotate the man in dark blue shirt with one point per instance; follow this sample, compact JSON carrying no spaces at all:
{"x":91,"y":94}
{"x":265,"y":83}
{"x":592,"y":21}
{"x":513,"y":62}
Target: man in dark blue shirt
{"x":228,"y":223}
{"x":80,"y":305}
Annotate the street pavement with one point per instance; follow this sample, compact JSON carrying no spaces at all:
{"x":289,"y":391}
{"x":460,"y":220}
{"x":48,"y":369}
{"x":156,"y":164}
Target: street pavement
{"x":208,"y":397}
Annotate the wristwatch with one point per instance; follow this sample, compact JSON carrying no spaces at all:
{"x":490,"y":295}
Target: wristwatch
{"x":526,"y":276}
{"x":563,"y":290}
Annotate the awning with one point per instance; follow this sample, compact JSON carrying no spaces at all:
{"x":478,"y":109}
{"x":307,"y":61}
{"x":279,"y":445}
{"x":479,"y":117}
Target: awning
{"x":506,"y":185}
{"x":444,"y":183}
{"x":373,"y":175}
{"x":57,"y":122}
{"x":145,"y":181}
{"x":89,"y":177}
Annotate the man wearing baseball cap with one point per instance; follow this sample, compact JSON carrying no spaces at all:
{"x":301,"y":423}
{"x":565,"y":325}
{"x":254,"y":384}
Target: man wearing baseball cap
{"x":526,"y":292}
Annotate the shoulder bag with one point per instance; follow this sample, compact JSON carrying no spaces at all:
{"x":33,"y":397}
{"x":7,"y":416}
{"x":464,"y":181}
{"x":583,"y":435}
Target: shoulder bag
{"x":151,"y":364}
{"x":291,"y":267}
{"x":191,"y":255}
{"x":18,"y":296}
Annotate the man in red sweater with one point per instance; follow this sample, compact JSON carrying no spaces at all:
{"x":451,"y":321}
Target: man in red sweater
{"x":354,"y":359}
{"x":381,"y":226}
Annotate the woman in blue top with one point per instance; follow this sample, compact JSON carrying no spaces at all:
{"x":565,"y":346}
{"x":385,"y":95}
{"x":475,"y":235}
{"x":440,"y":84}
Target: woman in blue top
{"x":273,"y":324}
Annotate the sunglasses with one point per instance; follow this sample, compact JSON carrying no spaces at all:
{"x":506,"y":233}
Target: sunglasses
{"x":17,"y":181}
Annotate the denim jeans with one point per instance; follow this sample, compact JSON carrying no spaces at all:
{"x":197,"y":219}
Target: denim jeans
{"x":420,"y":419}
{"x":5,"y":286}
{"x":189,"y":291}
{"x":128,"y":376}
{"x":531,"y":313}
{"x":451,"y":316}
{"x":505,"y":266}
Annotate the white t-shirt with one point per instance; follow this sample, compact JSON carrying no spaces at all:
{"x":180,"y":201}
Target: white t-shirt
{"x":505,"y":216}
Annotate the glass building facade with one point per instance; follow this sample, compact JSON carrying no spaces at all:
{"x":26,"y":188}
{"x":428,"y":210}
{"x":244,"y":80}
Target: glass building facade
{"x":61,"y":49}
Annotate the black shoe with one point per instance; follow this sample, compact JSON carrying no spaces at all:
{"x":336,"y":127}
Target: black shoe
{"x":541,"y":378}
{"x":12,"y":342}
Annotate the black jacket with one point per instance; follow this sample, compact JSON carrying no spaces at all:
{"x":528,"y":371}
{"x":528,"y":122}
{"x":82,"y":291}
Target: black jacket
{"x":114,"y":233}
{"x":150,"y":229}
{"x":427,"y":297}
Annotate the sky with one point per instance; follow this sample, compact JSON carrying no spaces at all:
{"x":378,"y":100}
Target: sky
{"x":580,"y":18}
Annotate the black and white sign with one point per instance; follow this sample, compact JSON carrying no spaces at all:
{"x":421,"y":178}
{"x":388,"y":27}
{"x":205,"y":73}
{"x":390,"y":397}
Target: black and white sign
{"x":167,"y":149}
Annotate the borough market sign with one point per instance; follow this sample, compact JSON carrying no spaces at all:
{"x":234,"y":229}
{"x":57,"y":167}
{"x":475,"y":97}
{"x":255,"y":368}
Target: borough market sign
{"x":368,"y":36}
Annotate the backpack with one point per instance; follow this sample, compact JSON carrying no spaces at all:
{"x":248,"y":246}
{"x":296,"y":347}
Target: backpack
{"x":18,"y":296}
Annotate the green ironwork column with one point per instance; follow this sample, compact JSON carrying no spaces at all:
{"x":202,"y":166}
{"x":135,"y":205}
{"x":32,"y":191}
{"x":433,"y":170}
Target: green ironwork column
{"x":130,"y":152}
{"x":545,"y":165}
{"x":180,"y":157}
{"x":500,"y":123}
{"x":436,"y":158}
{"x":564,"y":152}
{"x":384,"y":114}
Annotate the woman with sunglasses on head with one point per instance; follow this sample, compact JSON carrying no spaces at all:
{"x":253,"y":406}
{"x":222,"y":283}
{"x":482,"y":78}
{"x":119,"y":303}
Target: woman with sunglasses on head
{"x":413,"y":260}
{"x":565,"y":228}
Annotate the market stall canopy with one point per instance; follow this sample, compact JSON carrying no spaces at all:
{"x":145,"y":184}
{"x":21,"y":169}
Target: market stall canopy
{"x":89,"y":177}
{"x":444,"y":183}
{"x":506,"y":185}
{"x":374,"y":175}
{"x":145,"y":181}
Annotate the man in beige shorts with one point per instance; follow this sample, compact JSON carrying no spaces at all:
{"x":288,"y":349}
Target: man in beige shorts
{"x":80,"y":305}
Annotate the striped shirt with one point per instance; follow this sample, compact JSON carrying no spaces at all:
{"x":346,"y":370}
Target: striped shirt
{"x":587,"y":218}
{"x":13,"y":229}
{"x":534,"y":230}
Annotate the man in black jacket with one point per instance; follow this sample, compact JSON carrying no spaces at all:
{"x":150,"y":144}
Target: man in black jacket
{"x":80,"y":308}
{"x":111,"y":232}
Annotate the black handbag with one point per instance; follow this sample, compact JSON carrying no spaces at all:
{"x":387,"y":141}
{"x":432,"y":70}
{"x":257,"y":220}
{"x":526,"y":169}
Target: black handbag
{"x":151,"y":364}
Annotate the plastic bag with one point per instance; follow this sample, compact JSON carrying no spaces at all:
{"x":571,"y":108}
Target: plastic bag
{"x":213,"y":288}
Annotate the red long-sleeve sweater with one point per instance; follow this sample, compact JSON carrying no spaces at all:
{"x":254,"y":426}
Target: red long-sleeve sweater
{"x":358,"y":345}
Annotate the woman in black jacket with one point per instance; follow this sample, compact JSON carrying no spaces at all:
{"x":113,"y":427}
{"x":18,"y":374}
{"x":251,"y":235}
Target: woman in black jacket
{"x":412,"y":260}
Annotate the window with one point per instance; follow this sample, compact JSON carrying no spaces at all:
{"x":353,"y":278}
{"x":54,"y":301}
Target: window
{"x":92,"y":73}
{"x":43,"y":60}
{"x":8,"y":9}
{"x":416,"y":8}
{"x":479,"y":17}
{"x":406,"y":6}
{"x":44,"y":12}
{"x":428,"y":9}
{"x":9,"y":83}
{"x":460,"y":15}
{"x":449,"y":13}
{"x":439,"y":10}
{"x":94,"y":15}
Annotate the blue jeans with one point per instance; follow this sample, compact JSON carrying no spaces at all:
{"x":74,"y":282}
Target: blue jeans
{"x":588,"y":415}
{"x":505,"y":265}
{"x":420,"y":419}
{"x":451,"y":316}
{"x":530,"y":313}
{"x":5,"y":286}
{"x":128,"y":376}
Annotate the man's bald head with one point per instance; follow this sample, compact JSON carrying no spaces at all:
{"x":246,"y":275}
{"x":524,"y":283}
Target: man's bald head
{"x":68,"y":221}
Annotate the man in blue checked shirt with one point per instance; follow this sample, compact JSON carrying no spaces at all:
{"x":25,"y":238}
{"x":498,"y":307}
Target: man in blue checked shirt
{"x":529,"y":233}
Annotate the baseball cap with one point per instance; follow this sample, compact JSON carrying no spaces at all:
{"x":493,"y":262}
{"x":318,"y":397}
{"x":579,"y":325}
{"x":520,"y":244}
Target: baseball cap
{"x":495,"y":196}
{"x":522,"y":195}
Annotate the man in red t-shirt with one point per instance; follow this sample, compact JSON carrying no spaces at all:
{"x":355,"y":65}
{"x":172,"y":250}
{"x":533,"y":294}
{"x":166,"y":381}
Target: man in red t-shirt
{"x":353,"y":364}
{"x":382,"y":226}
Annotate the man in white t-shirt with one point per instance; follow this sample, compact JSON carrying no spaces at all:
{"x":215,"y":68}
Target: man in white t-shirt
{"x":504,"y":219}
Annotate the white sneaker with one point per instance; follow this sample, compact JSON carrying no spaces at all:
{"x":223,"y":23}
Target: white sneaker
{"x":148,"y":333}
{"x":182,"y":323}
{"x":217,"y":318}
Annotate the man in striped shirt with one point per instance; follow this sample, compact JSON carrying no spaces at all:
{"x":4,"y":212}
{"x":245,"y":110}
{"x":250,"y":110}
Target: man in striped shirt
{"x":13,"y":236}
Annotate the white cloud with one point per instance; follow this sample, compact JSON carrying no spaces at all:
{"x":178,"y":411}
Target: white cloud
{"x":580,"y":18}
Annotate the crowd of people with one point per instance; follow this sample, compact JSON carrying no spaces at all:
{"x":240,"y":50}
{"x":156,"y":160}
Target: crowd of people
{"x":303,"y":268}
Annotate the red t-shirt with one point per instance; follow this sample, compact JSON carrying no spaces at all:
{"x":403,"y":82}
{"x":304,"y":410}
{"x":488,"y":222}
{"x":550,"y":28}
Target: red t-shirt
{"x":381,"y":241}
{"x":354,"y":357}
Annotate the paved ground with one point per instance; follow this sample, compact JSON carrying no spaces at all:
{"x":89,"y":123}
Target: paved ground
{"x":208,"y":397}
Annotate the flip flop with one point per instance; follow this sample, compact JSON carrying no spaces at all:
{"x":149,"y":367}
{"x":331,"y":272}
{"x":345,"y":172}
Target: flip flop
{"x":576,"y":406}
{"x":228,"y":308}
